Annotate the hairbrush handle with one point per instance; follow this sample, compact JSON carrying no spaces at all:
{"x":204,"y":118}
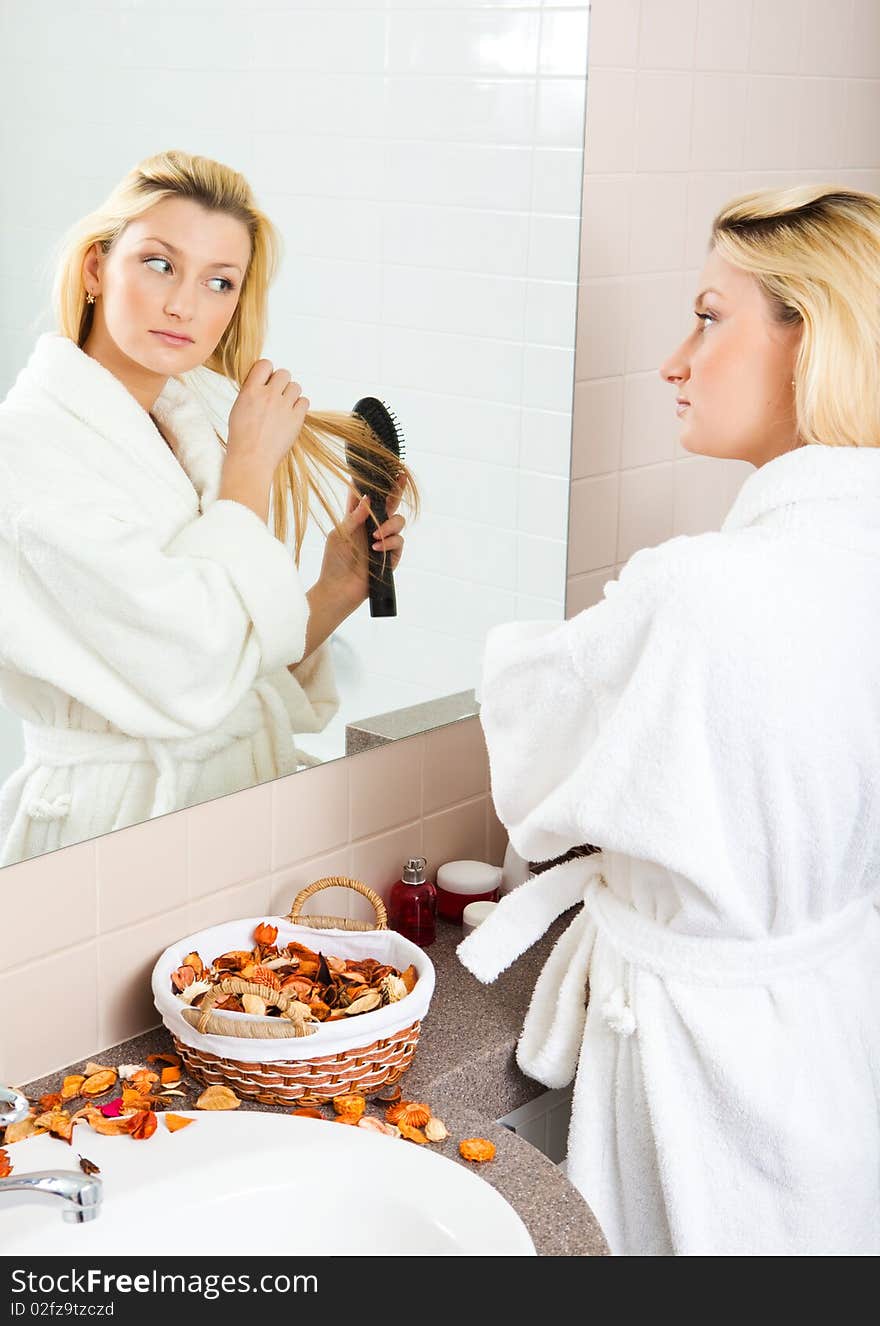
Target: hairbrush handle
{"x":383,"y":597}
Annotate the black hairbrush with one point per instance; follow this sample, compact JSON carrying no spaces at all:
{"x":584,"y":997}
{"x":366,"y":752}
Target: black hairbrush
{"x":377,"y":482}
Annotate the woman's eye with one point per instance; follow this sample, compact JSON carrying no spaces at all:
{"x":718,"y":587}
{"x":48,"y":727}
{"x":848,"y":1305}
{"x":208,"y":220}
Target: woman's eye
{"x":227,"y":285}
{"x":705,"y":317}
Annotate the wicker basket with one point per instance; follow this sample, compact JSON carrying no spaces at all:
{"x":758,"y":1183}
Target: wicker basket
{"x":252,"y":1054}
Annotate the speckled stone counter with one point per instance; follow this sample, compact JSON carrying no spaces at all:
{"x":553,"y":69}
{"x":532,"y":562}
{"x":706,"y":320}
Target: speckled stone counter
{"x":464,"y":1068}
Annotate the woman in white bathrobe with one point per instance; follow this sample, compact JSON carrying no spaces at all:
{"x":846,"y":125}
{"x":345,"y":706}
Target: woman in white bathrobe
{"x":712,"y":725}
{"x":157,"y":641}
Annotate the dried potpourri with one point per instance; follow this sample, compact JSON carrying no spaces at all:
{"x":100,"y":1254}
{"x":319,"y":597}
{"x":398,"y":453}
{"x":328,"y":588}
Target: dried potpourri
{"x":292,"y":981}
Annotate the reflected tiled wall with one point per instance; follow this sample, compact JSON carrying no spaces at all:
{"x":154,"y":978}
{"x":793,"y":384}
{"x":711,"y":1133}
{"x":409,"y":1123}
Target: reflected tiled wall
{"x":689,"y":102}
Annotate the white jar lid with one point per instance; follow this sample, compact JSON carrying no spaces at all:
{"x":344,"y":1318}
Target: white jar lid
{"x":475,"y":913}
{"x":468,"y":877}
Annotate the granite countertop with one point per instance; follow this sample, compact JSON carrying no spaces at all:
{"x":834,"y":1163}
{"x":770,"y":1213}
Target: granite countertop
{"x":464,"y":1068}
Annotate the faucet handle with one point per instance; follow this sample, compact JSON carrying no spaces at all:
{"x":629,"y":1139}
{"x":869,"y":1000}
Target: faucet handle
{"x":19,"y":1106}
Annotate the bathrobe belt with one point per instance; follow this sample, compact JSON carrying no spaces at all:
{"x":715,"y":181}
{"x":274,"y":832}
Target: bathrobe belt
{"x":60,"y":747}
{"x":553,"y":1029}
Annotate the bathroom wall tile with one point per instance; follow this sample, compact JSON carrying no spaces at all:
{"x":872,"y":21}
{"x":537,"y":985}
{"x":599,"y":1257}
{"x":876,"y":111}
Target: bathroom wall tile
{"x":141,"y":871}
{"x":335,"y":167}
{"x":496,"y":836}
{"x":563,"y":41}
{"x":323,"y":229}
{"x":457,"y":174}
{"x":469,"y":490}
{"x":863,"y":114}
{"x":865,"y":51}
{"x":49,"y":903}
{"x":827,"y":37}
{"x":543,"y":504}
{"x":230,"y":840}
{"x":660,"y":246}
{"x":456,"y":764}
{"x":126,"y":960}
{"x":453,"y":237}
{"x":541,"y":564}
{"x":707,"y":194}
{"x":601,"y":329}
{"x":478,"y":367}
{"x":606,"y":216}
{"x":723,"y":35}
{"x":546,"y":441}
{"x":592,"y":539}
{"x":821,"y":121}
{"x":547,"y":377}
{"x":557,"y":180}
{"x":250,"y":899}
{"x":667,"y":34}
{"x":654,"y":320}
{"x":328,"y":287}
{"x":596,"y":427}
{"x":309,"y":813}
{"x":458,"y":834}
{"x":285,"y":884}
{"x":379,"y":861}
{"x":466,"y":41}
{"x":650,"y":425}
{"x":477,"y":109}
{"x":646,"y":508}
{"x":771,"y":123}
{"x":477,"y":554}
{"x":553,"y":247}
{"x":51,"y":1038}
{"x":700,"y":501}
{"x":532,"y":609}
{"x":719,"y":114}
{"x":550,"y":313}
{"x":433,"y":300}
{"x":312,"y":343}
{"x":561,"y":111}
{"x":471,"y":429}
{"x":328,"y":102}
{"x":775,"y":37}
{"x":477,"y":606}
{"x":610,"y":144}
{"x":385,"y":787}
{"x":315,"y":40}
{"x":586,"y":590}
{"x":663,"y":125}
{"x":614,"y":36}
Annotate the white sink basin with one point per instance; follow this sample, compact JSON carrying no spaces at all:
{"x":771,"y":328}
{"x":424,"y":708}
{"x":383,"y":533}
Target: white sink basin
{"x":247,"y":1183}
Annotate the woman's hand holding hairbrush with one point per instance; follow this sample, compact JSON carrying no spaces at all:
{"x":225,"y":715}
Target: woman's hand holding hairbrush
{"x":343,"y":584}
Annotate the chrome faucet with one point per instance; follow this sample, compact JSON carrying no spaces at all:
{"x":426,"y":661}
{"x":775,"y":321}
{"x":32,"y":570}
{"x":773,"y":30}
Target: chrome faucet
{"x":80,"y":1194}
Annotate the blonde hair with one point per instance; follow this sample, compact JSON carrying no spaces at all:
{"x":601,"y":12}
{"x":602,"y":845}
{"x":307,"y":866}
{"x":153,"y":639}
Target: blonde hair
{"x":815,"y":253}
{"x":219,"y":188}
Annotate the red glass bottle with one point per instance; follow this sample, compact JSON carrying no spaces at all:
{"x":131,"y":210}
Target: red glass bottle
{"x":412,"y":905}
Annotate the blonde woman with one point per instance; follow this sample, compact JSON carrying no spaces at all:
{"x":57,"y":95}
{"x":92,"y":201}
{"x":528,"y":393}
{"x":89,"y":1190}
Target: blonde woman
{"x":157,"y":640}
{"x":714,"y":723}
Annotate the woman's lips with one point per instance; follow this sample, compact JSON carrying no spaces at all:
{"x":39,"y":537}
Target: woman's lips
{"x":171,"y":340}
{"x":681,"y":407}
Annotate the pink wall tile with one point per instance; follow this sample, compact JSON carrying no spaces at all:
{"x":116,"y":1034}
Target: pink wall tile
{"x":142,"y":871}
{"x":614,"y":36}
{"x":248,"y":899}
{"x":584,"y":591}
{"x":48,"y":903}
{"x":38,"y":1039}
{"x":287,"y":883}
{"x":230,"y":839}
{"x":456,"y":764}
{"x":596,"y":427}
{"x":458,"y":834}
{"x":646,"y":508}
{"x":385,"y":787}
{"x":593,"y":523}
{"x":125,"y":964}
{"x":380,"y":861}
{"x":310,"y":814}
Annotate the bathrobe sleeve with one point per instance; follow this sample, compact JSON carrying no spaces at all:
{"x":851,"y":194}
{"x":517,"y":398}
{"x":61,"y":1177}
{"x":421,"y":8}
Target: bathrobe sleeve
{"x":595,"y":727}
{"x":162,"y":640}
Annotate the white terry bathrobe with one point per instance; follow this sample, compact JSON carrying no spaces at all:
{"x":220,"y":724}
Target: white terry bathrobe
{"x":713,"y":725}
{"x":146,"y":627}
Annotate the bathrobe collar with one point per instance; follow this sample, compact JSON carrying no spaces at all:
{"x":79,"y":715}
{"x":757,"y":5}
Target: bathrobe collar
{"x":810,"y":474}
{"x":96,"y":396}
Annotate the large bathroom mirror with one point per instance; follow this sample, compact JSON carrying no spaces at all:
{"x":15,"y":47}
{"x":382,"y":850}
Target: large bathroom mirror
{"x":424,"y":166}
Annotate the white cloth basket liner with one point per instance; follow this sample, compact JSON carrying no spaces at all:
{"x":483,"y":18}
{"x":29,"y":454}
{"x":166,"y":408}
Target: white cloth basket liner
{"x":387,"y":946}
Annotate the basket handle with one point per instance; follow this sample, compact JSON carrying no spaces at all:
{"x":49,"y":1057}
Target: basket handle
{"x":338,"y":922}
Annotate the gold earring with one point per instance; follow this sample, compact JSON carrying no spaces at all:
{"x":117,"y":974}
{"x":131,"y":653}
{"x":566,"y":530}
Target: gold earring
{"x":90,"y":298}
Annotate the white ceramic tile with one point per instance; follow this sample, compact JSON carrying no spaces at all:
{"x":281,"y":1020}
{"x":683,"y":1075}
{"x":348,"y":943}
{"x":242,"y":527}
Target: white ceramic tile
{"x":668,"y":34}
{"x":450,"y":425}
{"x":319,"y":227}
{"x":457,"y":175}
{"x":550,"y":313}
{"x":561,"y":112}
{"x":475,"y":109}
{"x":459,"y":605}
{"x":329,"y":288}
{"x":310,"y":344}
{"x":224,"y":44}
{"x":484,"y":368}
{"x":313,"y":40}
{"x":465,"y":41}
{"x":329,"y":102}
{"x":563,"y":42}
{"x":558,"y":180}
{"x":553,"y":248}
{"x":472,"y":240}
{"x":468,"y":550}
{"x":543,"y":506}
{"x":541,"y":565}
{"x":546,"y":442}
{"x":443,"y":301}
{"x":344,"y":167}
{"x":529,"y":608}
{"x":548,"y":378}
